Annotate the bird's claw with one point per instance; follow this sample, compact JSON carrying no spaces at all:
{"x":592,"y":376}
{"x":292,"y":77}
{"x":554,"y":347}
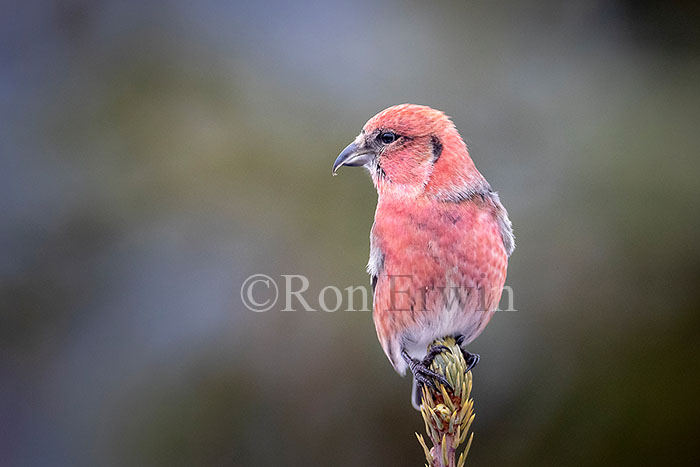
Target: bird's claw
{"x":472,"y":359}
{"x":421,"y":371}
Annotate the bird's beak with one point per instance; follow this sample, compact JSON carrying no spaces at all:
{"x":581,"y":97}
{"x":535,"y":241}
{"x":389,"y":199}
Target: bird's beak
{"x":353,"y":156}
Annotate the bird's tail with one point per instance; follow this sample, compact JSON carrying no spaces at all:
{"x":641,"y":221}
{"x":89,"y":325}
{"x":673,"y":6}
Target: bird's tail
{"x":416,"y":395}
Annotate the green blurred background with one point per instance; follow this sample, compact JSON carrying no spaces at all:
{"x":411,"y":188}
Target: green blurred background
{"x":155,"y":154}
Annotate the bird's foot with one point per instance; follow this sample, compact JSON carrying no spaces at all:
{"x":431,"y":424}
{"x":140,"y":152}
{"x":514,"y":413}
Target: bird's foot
{"x":421,"y":368}
{"x":472,"y":359}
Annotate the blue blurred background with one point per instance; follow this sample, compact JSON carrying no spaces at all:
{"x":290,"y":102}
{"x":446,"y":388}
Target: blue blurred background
{"x":155,"y":154}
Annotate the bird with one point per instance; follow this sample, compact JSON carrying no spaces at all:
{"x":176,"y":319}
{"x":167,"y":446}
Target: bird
{"x":440,"y":241}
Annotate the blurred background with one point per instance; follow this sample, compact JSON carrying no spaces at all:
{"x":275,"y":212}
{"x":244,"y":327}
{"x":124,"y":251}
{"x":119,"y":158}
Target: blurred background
{"x":155,"y":154}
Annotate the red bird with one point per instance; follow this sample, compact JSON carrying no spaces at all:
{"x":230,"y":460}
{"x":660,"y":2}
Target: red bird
{"x":441,"y":238}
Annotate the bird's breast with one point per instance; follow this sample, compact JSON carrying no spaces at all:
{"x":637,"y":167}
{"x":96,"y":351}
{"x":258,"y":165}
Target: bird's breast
{"x":435,"y":257}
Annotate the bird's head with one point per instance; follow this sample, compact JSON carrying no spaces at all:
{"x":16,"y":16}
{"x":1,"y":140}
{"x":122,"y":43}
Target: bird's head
{"x":413,"y":150}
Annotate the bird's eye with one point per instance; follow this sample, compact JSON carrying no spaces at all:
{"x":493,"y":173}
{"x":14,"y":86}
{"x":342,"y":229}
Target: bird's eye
{"x":388,"y":137}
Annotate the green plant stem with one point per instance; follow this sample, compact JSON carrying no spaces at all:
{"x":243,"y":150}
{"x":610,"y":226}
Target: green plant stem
{"x":448,"y":412}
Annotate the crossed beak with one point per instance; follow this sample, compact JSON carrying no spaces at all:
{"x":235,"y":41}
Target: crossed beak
{"x":354,"y":156}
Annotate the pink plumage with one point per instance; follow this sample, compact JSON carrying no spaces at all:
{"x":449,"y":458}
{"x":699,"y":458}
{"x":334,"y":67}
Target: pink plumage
{"x":441,"y":238}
